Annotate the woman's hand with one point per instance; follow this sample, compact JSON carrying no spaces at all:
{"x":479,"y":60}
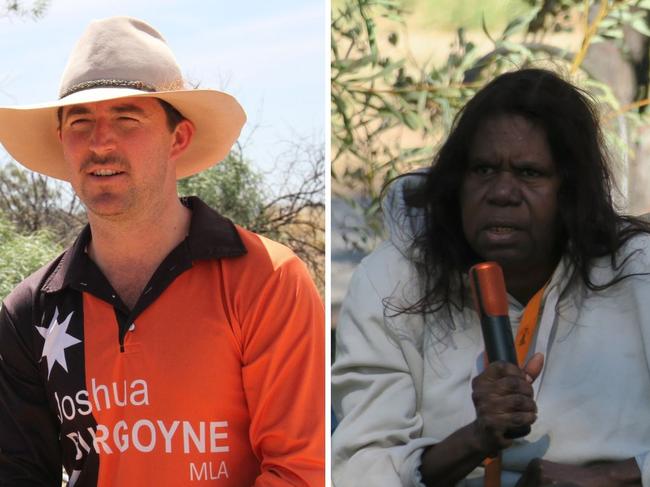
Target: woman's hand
{"x":503,"y":399}
{"x":607,"y":474}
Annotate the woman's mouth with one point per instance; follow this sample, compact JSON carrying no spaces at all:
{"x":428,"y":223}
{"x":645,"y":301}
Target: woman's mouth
{"x":501,"y":229}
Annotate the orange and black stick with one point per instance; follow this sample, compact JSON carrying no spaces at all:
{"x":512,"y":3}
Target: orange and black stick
{"x":491,"y":303}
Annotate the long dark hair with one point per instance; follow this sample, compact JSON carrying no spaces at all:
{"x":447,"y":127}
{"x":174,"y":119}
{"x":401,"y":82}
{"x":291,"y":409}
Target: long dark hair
{"x":590,"y":227}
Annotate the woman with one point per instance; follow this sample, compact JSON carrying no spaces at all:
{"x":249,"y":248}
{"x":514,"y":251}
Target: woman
{"x":522,"y":180}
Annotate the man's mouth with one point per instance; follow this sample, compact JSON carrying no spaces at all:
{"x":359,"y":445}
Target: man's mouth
{"x":106,"y":172}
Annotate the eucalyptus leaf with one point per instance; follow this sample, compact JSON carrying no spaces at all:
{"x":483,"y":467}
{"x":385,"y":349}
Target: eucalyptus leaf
{"x":608,"y":23}
{"x":519,"y":23}
{"x":422,"y":101}
{"x":485,"y":29}
{"x":640,"y":25}
{"x":412,"y":120}
{"x":597,"y":39}
{"x":515,"y":48}
{"x":614,"y":33}
{"x":352,"y":64}
{"x":380,"y":74}
{"x":448,"y":92}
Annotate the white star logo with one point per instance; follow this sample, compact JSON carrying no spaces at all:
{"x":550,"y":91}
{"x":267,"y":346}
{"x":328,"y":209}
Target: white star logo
{"x":56,"y":341}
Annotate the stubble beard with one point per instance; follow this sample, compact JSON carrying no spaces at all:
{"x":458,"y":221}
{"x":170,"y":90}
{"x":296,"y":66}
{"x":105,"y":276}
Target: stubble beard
{"x":106,"y":202}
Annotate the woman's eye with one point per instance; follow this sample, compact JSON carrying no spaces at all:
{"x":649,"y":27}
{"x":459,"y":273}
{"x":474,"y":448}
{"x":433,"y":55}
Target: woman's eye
{"x":483,"y":170}
{"x":530,"y":173}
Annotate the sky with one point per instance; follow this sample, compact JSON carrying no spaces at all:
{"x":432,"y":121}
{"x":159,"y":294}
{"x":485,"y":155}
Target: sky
{"x":270,"y":55}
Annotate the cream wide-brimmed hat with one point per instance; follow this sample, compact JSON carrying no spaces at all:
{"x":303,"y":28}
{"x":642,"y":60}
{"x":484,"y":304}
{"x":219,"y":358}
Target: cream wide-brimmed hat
{"x":115,"y":58}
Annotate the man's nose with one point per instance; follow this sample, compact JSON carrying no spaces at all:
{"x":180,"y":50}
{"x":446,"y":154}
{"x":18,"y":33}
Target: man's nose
{"x":102,"y":137}
{"x":505,"y":189}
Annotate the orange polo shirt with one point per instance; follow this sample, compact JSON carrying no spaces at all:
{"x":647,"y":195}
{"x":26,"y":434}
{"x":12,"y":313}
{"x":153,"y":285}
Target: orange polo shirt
{"x":216,"y":377}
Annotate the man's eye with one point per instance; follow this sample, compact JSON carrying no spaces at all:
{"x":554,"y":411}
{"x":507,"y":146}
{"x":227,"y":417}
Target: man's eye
{"x":79,"y":122}
{"x":127,"y":119}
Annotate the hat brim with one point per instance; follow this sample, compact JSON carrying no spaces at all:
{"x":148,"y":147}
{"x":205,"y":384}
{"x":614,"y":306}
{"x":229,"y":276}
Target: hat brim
{"x":29,"y":133}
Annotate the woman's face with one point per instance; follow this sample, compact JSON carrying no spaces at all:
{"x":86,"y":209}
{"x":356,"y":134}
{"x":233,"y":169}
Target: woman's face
{"x":508,"y":196}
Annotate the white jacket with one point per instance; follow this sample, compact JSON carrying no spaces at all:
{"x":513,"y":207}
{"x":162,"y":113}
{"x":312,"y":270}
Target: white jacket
{"x":400,"y":384}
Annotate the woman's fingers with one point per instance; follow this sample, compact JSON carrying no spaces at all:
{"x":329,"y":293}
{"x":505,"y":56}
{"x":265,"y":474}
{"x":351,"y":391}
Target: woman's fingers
{"x":503,"y":399}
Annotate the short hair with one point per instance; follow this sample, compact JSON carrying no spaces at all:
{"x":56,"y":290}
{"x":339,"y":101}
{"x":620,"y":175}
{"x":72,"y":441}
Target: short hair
{"x":173,"y":116}
{"x":590,"y":227}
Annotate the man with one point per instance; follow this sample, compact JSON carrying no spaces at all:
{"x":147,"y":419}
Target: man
{"x":167,"y":346}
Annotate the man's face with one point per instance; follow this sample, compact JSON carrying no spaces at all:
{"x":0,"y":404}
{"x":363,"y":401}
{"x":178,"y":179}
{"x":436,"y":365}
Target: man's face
{"x":509,"y":194}
{"x":120,"y":154}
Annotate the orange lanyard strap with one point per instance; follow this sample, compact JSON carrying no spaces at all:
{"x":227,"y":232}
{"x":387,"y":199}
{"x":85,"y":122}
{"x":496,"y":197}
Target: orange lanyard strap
{"x":525,"y":334}
{"x":528,"y":326}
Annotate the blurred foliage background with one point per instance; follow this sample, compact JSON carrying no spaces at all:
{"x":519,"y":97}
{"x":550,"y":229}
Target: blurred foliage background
{"x":402,"y":69}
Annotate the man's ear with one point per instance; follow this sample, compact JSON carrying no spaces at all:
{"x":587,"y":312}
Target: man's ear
{"x":182,"y":136}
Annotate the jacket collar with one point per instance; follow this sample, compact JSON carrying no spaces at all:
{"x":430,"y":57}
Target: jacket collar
{"x":211,"y":236}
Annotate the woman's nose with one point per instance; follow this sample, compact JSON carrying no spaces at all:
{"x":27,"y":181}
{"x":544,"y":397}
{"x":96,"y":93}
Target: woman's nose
{"x":504,"y":189}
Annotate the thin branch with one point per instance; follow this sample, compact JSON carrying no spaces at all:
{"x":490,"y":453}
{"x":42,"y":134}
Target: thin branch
{"x":603,"y":10}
